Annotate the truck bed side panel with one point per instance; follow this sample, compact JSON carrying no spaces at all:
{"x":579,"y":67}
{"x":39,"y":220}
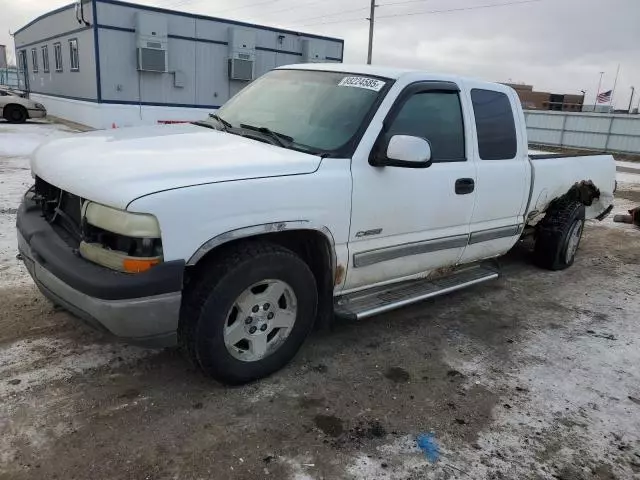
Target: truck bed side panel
{"x":553,"y":177}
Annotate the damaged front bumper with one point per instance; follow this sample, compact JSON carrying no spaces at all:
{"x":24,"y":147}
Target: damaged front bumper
{"x":138,"y":308}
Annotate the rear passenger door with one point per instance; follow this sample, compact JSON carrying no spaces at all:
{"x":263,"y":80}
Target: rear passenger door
{"x":503,"y":173}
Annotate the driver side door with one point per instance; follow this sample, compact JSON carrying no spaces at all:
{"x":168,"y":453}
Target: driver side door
{"x":407,"y":222}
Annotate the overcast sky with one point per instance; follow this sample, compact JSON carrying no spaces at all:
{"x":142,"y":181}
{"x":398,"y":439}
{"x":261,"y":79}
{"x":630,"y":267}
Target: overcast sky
{"x":557,"y":45}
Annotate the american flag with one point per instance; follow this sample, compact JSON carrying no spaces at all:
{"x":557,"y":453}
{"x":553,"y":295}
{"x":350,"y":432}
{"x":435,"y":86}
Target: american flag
{"x":604,"y":97}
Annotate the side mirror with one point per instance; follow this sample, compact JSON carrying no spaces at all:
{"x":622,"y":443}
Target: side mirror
{"x":406,"y":151}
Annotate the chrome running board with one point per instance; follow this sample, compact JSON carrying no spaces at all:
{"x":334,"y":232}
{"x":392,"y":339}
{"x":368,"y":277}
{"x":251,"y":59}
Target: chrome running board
{"x":367,"y":303}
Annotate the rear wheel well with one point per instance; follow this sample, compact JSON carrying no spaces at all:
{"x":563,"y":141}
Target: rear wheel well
{"x":312,"y":246}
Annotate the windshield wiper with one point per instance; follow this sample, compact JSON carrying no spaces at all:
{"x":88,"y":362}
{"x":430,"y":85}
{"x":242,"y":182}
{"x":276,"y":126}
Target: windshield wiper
{"x":225,"y":125}
{"x":280,"y":138}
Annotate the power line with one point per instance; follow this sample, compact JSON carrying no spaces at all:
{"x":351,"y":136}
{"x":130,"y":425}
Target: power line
{"x":181,"y":3}
{"x":313,"y":2}
{"x":342,"y":12}
{"x":449,"y":10}
{"x":329,"y":14}
{"x":430,"y":12}
{"x":240,"y":7}
{"x":402,"y":3}
{"x":330,"y":23}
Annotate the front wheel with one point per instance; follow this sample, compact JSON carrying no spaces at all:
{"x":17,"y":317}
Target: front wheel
{"x":559,"y":235}
{"x":15,"y":114}
{"x":248,"y":314}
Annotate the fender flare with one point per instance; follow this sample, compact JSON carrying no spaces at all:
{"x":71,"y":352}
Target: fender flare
{"x":265,"y":228}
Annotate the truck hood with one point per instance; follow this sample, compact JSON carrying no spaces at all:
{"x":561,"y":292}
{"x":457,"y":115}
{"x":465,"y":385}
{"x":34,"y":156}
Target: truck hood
{"x":114,"y":167}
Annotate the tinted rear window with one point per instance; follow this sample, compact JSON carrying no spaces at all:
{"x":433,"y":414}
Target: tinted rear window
{"x":495,"y":125}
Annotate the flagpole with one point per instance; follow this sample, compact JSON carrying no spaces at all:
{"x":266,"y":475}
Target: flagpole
{"x":615,"y":82}
{"x":595,"y":102}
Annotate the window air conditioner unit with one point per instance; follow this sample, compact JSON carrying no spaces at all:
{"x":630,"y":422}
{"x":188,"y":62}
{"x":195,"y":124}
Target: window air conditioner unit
{"x":151,"y":58}
{"x":241,"y":67}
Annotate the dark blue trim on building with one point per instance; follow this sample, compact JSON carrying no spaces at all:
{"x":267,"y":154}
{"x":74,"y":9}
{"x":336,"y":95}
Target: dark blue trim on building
{"x":216,"y":19}
{"x":118,"y":29}
{"x":193,"y":39}
{"x":336,"y":59}
{"x":81,"y":99}
{"x":96,"y":45}
{"x":45,"y":15}
{"x":53,"y":37}
{"x":288,"y":52}
{"x":157,"y":104}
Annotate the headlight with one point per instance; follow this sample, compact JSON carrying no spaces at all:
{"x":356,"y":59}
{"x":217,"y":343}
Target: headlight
{"x":120,"y":221}
{"x":39,"y":106}
{"x":124,"y":241}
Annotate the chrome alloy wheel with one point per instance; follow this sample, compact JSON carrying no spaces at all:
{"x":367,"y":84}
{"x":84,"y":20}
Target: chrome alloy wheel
{"x":573,"y":240}
{"x":260,"y":320}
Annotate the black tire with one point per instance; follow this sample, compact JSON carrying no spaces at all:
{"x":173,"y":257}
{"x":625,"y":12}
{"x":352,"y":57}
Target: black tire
{"x":15,"y":114}
{"x":554,"y":232}
{"x":210,"y":297}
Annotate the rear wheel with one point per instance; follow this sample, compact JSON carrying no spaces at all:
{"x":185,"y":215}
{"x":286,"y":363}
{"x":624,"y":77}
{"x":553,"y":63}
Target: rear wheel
{"x":15,"y":114}
{"x":248,"y":314}
{"x":559,"y":235}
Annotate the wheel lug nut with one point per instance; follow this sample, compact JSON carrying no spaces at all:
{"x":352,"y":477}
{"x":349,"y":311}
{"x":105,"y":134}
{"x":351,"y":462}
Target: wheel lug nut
{"x":255,"y":309}
{"x":248,"y":320}
{"x":266,"y":306}
{"x":263,"y":327}
{"x":252,"y":330}
{"x":270,"y":315}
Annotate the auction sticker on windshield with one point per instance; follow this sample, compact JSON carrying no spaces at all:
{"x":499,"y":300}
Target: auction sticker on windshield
{"x":362,"y":82}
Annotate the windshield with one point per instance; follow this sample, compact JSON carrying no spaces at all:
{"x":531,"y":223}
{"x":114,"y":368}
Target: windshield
{"x":318,"y":111}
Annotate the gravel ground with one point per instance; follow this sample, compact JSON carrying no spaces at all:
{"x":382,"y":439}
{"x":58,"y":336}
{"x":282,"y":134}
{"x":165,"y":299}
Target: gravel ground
{"x":534,"y":376}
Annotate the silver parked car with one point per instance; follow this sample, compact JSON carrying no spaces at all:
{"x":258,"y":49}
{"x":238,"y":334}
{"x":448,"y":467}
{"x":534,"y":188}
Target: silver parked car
{"x":16,"y":109}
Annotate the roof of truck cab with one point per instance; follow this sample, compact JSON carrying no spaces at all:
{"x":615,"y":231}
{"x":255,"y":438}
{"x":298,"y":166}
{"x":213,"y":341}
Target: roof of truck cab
{"x":387,"y":72}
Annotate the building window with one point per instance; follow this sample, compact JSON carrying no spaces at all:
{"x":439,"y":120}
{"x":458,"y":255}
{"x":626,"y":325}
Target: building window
{"x":73,"y":55}
{"x":495,"y":125}
{"x":45,"y":59}
{"x":57,"y":55}
{"x":34,"y":60}
{"x":22,"y":61}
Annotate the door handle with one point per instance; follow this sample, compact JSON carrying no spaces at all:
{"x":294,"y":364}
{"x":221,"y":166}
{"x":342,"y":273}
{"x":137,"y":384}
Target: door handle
{"x":465,"y":186}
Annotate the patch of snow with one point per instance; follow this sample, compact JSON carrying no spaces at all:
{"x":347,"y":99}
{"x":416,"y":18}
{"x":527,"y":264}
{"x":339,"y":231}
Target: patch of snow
{"x":12,"y":271}
{"x":635,"y":165}
{"x":22,"y":140}
{"x":631,"y":178}
{"x":401,"y":460}
{"x":263,"y":391}
{"x":570,"y":388}
{"x":43,"y":360}
{"x":299,"y":467}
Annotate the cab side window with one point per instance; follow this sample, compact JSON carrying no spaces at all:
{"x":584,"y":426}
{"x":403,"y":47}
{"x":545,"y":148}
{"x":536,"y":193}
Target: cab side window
{"x":495,"y":125}
{"x":437,"y":117}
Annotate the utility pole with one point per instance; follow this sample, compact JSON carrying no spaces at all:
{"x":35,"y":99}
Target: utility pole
{"x":595,"y":102}
{"x":633,"y":90}
{"x":371,"y":21}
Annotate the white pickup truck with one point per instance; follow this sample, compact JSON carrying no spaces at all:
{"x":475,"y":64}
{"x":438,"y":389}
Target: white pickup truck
{"x":317,"y":191}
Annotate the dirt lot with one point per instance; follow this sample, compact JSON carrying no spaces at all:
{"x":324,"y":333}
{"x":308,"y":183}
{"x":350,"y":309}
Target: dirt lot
{"x":534,"y":376}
